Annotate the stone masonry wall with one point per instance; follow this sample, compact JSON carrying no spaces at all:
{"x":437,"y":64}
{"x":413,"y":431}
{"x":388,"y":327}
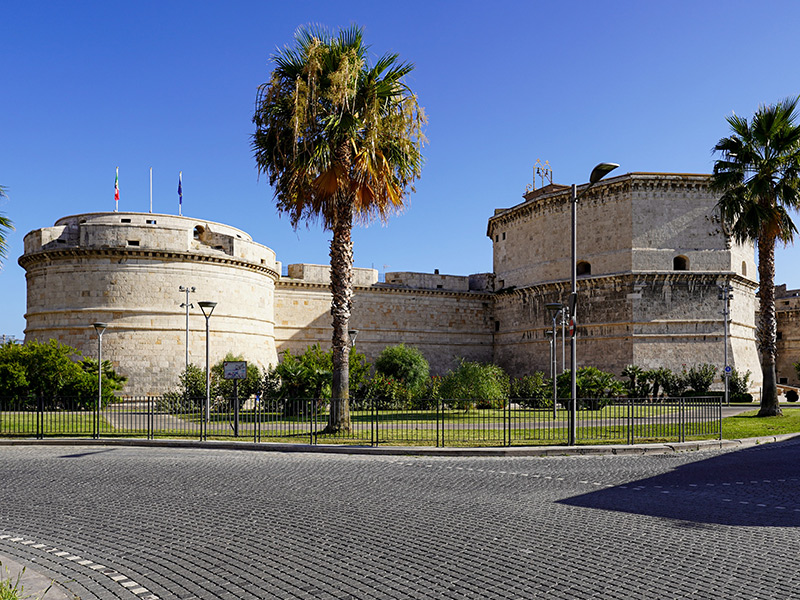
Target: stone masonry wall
{"x":444,"y":325}
{"x":96,"y":275}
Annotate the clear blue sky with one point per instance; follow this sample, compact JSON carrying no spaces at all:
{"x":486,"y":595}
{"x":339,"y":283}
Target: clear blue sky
{"x":90,"y":86}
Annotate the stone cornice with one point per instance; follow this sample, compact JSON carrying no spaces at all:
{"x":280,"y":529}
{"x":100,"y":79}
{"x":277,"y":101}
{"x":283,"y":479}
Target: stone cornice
{"x":615,"y":186}
{"x":706,"y":278}
{"x":27,"y":261}
{"x":311,"y":286}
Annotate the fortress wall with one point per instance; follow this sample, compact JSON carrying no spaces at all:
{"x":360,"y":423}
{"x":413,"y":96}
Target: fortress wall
{"x":102,"y":278}
{"x":787,"y":303}
{"x":652,"y":321}
{"x":443,"y":325}
{"x":531,"y":241}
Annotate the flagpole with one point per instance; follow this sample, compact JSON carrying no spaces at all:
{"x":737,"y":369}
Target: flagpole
{"x":151,"y":189}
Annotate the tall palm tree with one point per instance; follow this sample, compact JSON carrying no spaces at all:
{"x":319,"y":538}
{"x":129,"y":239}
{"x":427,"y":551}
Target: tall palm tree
{"x":758,"y":176}
{"x":5,"y":226}
{"x":341,"y":143}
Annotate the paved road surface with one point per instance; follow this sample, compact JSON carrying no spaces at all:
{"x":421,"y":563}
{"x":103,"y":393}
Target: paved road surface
{"x":164,"y":523}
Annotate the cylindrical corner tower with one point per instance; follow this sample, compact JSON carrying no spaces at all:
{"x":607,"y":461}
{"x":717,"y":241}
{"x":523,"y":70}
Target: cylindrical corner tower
{"x":126,"y":269}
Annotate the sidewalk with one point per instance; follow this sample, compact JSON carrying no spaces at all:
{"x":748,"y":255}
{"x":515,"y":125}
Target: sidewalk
{"x":539,"y":451}
{"x":34,"y":585}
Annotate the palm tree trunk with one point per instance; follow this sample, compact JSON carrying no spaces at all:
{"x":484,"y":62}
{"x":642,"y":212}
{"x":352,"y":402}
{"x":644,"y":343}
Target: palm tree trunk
{"x":342,"y":291}
{"x":767,"y":326}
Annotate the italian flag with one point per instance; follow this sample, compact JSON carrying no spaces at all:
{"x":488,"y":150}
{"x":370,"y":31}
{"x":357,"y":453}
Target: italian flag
{"x":116,"y":186}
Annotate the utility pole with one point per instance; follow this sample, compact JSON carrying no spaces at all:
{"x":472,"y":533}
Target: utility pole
{"x":187,"y":305}
{"x":726,"y":295}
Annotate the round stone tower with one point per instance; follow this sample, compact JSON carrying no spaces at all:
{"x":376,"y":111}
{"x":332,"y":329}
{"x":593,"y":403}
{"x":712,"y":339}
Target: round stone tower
{"x":126,"y":269}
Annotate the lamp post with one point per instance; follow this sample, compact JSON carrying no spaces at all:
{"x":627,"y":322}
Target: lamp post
{"x":558,"y":310}
{"x":187,"y":290}
{"x":353,"y":333}
{"x":207,"y":306}
{"x":597,"y":174}
{"x":99,"y":328}
{"x":726,"y":295}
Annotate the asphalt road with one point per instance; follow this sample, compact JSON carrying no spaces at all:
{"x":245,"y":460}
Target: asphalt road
{"x":115,"y":522}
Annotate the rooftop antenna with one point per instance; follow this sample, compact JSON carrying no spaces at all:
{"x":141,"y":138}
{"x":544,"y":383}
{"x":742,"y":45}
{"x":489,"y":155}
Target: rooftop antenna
{"x":544,"y":172}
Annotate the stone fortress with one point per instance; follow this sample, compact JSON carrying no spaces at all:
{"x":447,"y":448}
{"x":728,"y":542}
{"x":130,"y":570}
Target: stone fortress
{"x":652,"y":254}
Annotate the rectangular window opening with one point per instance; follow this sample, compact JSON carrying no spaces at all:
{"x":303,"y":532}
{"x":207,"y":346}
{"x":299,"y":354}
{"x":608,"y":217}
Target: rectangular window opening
{"x":125,"y":220}
{"x":133,"y":242}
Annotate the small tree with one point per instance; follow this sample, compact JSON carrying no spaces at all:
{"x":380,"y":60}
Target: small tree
{"x":405,"y":364}
{"x":532,"y":391}
{"x":700,"y":377}
{"x":487,"y":384}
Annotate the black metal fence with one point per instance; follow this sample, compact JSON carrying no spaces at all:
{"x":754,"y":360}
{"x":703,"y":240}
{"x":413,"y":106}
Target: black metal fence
{"x":435,"y":423}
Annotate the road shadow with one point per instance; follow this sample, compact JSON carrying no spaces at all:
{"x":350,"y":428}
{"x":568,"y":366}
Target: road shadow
{"x":757,"y":486}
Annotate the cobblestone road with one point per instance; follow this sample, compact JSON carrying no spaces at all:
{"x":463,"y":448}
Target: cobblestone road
{"x":150,"y":523}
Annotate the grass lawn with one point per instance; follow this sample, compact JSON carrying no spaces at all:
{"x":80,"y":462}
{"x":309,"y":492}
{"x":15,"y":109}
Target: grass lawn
{"x":749,"y":425}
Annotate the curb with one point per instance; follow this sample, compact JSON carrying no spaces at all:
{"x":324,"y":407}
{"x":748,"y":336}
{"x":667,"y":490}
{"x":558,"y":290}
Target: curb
{"x":530,"y":451}
{"x":35,"y":586}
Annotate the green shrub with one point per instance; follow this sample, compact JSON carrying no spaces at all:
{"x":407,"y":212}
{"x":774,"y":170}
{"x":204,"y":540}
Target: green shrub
{"x":190,"y":395}
{"x":382,"y":392}
{"x":404,"y":364}
{"x":674,"y":384}
{"x":595,"y":388}
{"x":700,"y":377}
{"x":658,"y":377}
{"x":532,"y":391}
{"x":308,"y":377}
{"x":638,"y":384}
{"x":486,"y":384}
{"x":739,"y":386}
{"x":791,"y":396}
{"x":53,"y":373}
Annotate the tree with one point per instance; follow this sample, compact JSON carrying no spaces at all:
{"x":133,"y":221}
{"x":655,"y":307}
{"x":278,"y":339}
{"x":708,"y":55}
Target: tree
{"x":341,"y":143}
{"x":758,"y":176}
{"x":5,"y":226}
{"x":404,"y":363}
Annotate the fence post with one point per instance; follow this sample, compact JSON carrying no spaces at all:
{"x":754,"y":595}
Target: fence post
{"x":630,"y":422}
{"x":682,"y":418}
{"x":374,"y":432}
{"x":438,"y":409}
{"x":719,"y":421}
{"x":40,"y":418}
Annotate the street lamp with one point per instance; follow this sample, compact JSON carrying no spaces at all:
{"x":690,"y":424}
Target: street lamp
{"x":353,"y":333}
{"x":99,"y":328}
{"x":207,"y":306}
{"x":186,"y":304}
{"x":597,"y":174}
{"x":558,"y":311}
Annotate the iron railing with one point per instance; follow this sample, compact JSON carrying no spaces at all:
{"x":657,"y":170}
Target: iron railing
{"x":432,"y":423}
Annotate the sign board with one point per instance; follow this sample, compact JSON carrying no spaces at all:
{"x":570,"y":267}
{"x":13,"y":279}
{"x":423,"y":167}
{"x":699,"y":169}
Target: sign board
{"x":234,"y":369}
{"x":572,"y":327}
{"x":728,"y":369}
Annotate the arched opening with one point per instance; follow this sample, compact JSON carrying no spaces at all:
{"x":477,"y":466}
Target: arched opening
{"x":680,"y":263}
{"x":744,"y":268}
{"x":199,"y":230}
{"x":584,"y":268}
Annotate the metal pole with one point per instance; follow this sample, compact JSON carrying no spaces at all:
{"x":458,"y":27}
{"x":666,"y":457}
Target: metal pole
{"x":573,"y":310}
{"x":208,"y":383}
{"x":99,"y":383}
{"x":187,"y":290}
{"x":554,"y":369}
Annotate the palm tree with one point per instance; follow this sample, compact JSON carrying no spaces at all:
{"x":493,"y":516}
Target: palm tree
{"x":341,"y":143}
{"x":5,"y":226}
{"x":759,"y":179}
